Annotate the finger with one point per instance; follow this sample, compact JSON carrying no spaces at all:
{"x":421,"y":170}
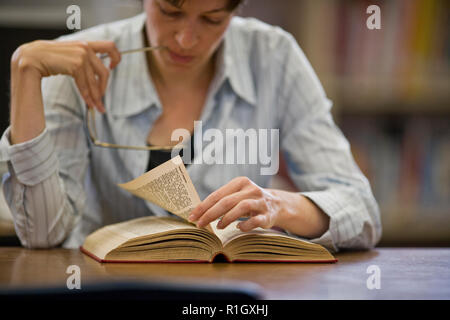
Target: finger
{"x":233,"y":186}
{"x":259,"y":220}
{"x":93,"y":85}
{"x":244,"y":208}
{"x":108,"y":47}
{"x":101,"y":71}
{"x":81,"y":82}
{"x":223,"y":206}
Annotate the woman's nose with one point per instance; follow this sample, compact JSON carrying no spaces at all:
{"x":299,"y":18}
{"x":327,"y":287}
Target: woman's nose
{"x":187,"y":37}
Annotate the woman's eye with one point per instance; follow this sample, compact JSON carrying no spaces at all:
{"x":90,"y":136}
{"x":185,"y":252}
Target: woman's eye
{"x":212,"y":21}
{"x":172,"y":14}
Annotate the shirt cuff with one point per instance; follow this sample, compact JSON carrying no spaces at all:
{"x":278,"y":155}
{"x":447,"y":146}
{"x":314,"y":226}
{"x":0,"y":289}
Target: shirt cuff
{"x":31,"y":161}
{"x":325,"y":201}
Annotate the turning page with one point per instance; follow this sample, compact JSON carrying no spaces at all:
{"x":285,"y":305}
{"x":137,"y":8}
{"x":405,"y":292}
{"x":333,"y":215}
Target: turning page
{"x":168,"y":186}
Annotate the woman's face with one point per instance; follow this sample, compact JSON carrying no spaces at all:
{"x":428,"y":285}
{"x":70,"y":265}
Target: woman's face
{"x":191,"y":33}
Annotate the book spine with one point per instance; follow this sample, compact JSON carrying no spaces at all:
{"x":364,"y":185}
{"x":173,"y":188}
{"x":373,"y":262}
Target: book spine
{"x":221,"y":253}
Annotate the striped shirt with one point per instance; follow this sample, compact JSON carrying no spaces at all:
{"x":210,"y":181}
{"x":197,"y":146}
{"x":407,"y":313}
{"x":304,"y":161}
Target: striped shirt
{"x":60,"y":187}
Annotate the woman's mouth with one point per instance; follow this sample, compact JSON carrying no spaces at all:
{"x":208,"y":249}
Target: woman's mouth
{"x":180,"y":59}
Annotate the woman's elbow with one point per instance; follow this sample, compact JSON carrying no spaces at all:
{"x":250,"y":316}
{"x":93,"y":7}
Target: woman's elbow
{"x":33,"y":242}
{"x":370,"y":231}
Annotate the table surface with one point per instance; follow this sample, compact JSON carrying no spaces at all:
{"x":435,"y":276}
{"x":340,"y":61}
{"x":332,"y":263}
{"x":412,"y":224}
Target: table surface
{"x":405,"y":273}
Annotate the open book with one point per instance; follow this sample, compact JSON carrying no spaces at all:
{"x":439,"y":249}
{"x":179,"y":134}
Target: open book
{"x":173,"y":239}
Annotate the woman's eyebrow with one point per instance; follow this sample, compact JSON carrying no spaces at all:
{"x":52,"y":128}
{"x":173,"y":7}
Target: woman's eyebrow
{"x":207,"y":12}
{"x":216,"y":10}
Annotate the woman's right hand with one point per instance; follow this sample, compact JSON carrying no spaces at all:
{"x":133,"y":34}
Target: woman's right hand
{"x":74,"y":58}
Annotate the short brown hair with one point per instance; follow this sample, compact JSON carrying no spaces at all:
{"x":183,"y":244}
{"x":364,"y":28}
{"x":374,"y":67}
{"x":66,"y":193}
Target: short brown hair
{"x":232,"y":4}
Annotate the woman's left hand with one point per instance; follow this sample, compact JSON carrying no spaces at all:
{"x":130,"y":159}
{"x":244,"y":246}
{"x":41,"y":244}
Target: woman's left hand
{"x":239,"y":198}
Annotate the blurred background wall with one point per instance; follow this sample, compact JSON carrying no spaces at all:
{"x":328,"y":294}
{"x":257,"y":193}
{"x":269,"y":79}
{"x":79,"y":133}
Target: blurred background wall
{"x":390,"y":88}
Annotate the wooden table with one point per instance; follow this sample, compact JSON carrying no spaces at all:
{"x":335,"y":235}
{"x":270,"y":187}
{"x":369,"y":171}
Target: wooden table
{"x":405,"y":273}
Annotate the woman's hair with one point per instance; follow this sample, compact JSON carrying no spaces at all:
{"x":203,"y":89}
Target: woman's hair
{"x":232,"y":4}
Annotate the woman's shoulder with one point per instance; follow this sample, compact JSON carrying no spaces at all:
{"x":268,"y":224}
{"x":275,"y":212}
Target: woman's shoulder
{"x":253,"y":32}
{"x":262,"y":49}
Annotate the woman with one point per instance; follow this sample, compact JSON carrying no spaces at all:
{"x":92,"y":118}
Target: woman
{"x":227,"y":72}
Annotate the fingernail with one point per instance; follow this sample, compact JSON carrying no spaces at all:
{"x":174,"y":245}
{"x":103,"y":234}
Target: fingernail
{"x":191,"y":218}
{"x":102,"y":107}
{"x":200,"y":224}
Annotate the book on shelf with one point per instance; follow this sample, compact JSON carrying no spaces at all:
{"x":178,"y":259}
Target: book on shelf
{"x":174,"y":239}
{"x":406,"y":162}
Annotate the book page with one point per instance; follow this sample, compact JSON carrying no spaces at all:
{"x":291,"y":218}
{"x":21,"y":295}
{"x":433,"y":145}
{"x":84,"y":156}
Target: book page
{"x":231,"y":232}
{"x":268,"y":245}
{"x":149,"y":232}
{"x":148,"y":225}
{"x":110,"y":237}
{"x":168,"y":186}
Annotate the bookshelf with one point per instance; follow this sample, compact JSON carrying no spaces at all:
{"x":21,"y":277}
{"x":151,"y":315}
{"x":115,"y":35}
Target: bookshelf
{"x":349,"y":98}
{"x":392,"y":101}
{"x":390,"y":89}
{"x":391,"y":95}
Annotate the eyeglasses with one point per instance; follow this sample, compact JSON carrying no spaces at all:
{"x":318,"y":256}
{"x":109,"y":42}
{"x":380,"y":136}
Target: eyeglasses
{"x":90,"y":123}
{"x":105,"y":55}
{"x":90,"y":119}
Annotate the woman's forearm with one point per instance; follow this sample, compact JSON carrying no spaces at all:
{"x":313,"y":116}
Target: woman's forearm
{"x":27,"y":111}
{"x":299,"y":215}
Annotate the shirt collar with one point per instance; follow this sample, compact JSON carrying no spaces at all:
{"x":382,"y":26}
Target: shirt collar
{"x":133,"y":90}
{"x":234,"y":61}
